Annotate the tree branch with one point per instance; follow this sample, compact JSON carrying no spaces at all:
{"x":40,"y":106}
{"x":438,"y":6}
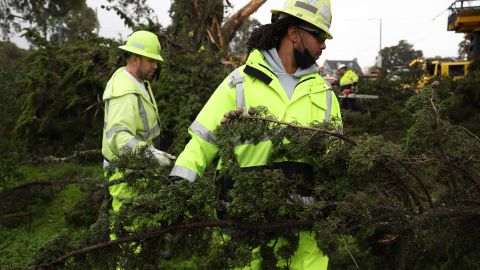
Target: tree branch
{"x":191,"y":226}
{"x":75,"y":154}
{"x":320,"y":130}
{"x":234,"y":22}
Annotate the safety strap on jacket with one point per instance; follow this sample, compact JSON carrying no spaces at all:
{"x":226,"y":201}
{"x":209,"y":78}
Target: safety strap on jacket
{"x":237,"y":82}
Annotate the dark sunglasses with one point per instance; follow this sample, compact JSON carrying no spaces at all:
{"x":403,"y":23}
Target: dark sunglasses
{"x":319,"y":35}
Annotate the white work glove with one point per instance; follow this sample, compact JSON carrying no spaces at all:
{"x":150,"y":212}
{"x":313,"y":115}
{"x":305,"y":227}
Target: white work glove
{"x":304,"y":200}
{"x":163,"y":158}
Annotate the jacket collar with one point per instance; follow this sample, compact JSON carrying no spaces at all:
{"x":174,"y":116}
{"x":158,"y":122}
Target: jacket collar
{"x":257,"y":67}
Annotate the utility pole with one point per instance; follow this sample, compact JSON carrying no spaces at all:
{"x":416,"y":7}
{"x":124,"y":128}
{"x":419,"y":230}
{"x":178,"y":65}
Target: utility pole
{"x":379,"y":57}
{"x":380,"y":24}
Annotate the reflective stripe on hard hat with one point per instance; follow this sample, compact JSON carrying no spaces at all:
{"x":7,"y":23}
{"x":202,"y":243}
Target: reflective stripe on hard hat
{"x":138,"y":45}
{"x":306,"y":6}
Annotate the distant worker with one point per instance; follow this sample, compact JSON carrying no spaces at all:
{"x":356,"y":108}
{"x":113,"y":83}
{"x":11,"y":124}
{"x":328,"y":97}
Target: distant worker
{"x":348,"y":81}
{"x":131,"y":118}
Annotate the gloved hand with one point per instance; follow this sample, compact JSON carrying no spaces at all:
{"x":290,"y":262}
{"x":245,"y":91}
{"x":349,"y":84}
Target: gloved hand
{"x":163,"y":158}
{"x":346,"y":92}
{"x":230,"y":115}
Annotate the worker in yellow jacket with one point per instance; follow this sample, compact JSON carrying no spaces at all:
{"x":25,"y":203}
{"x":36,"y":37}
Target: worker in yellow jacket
{"x":280,"y":73}
{"x":131,"y":118}
{"x":348,"y":85}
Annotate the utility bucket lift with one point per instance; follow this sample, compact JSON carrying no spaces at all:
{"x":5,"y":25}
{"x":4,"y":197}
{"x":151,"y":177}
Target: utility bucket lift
{"x":464,"y":18}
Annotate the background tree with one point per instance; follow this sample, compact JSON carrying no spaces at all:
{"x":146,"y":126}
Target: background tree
{"x":238,"y":44}
{"x":463,"y":49}
{"x":41,"y":15}
{"x":11,"y":72}
{"x":134,"y":13}
{"x":210,"y":28}
{"x":61,"y":106}
{"x":397,"y":57}
{"x":405,"y":183}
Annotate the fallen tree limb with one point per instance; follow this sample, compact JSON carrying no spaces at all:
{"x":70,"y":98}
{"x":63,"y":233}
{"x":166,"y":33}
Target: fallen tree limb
{"x":319,"y":130}
{"x":75,"y":154}
{"x":159,"y":232}
{"x":15,"y":215}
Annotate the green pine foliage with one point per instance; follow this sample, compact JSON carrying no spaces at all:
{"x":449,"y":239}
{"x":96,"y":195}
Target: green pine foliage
{"x":402,"y":192}
{"x":186,"y":82}
{"x":62,"y":108}
{"x":377,"y":203}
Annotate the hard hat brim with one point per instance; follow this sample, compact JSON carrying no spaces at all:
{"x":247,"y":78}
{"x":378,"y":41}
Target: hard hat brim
{"x":140,"y":52}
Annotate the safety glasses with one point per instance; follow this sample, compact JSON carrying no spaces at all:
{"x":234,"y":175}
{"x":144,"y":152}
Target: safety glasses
{"x":321,"y":36}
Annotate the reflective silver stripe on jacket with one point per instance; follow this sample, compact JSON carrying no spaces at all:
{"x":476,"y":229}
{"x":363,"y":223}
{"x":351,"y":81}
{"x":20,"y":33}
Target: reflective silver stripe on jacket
{"x":114,"y":130}
{"x":184,"y":173}
{"x":153,"y":131}
{"x":237,"y":81}
{"x":328,"y":111}
{"x":202,"y":132}
{"x":132,"y":143}
{"x":143,"y":115}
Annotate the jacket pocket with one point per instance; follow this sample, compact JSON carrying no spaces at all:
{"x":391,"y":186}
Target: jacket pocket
{"x":319,"y":106}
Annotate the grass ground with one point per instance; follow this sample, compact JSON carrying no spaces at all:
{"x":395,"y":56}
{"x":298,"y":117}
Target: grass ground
{"x":23,"y":237}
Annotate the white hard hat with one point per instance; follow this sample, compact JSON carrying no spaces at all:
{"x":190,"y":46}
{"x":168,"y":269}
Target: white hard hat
{"x":340,"y":66}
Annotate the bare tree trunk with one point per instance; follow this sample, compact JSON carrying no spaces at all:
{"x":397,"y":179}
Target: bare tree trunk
{"x":236,"y":20}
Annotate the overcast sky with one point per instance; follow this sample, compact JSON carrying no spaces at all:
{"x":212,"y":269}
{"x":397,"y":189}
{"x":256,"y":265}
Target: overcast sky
{"x":355,"y":26}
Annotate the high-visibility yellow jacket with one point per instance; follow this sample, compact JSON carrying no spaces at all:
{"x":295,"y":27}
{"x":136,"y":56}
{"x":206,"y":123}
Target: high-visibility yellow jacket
{"x":252,"y":85}
{"x":348,"y":79}
{"x":131,"y":116}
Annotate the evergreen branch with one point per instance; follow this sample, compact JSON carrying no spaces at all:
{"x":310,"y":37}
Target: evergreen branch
{"x":468,"y":131}
{"x":15,"y":215}
{"x":135,"y":237}
{"x":445,"y":157}
{"x":458,"y":211}
{"x":420,"y":220}
{"x":90,"y":182}
{"x":76,"y":154}
{"x":414,"y":196}
{"x":349,"y":253}
{"x":320,"y":130}
{"x":416,"y":177}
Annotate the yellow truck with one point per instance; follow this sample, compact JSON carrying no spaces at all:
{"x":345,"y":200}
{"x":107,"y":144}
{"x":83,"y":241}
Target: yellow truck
{"x":432,"y":68}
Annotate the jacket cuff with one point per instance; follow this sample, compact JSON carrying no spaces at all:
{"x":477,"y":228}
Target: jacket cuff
{"x":180,"y":172}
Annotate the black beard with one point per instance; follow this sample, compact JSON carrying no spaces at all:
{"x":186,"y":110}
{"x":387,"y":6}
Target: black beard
{"x":303,"y":60}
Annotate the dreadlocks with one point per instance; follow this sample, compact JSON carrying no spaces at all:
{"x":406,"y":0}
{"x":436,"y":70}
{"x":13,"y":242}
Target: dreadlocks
{"x":268,"y":36}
